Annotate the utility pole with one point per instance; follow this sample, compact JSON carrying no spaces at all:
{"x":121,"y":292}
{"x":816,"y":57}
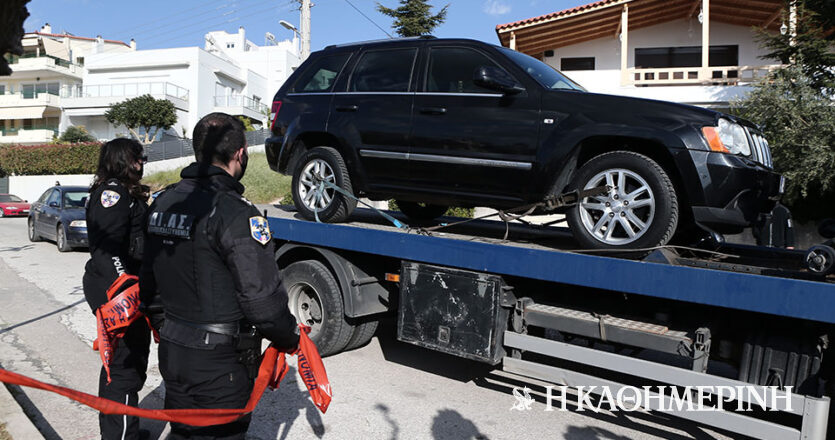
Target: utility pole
{"x":305,"y":29}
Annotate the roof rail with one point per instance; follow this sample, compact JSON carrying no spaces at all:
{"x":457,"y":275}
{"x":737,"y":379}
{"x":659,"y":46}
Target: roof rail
{"x":422,"y":37}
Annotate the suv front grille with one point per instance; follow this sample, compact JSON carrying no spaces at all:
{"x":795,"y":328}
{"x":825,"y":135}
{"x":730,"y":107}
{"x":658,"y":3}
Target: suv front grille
{"x":760,"y":152}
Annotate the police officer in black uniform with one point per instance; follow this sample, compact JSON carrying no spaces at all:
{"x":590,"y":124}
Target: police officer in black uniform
{"x":210,"y":257}
{"x":115,"y":213}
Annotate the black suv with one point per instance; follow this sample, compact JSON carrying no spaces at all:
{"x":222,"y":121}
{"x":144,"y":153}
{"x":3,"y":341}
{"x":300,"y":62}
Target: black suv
{"x":454,"y":122}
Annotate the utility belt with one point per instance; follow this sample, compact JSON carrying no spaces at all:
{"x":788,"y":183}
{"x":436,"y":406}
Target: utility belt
{"x":241,"y":335}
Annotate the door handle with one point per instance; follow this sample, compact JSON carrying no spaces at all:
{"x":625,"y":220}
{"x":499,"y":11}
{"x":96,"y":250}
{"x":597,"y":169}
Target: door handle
{"x":433,"y":110}
{"x":346,"y":108}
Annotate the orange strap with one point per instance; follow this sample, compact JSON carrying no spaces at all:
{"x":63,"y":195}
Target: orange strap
{"x":114,"y":317}
{"x":272,"y":370}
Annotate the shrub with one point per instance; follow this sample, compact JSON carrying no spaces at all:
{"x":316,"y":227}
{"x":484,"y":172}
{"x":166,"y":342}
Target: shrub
{"x":49,"y":159}
{"x":76,"y":134}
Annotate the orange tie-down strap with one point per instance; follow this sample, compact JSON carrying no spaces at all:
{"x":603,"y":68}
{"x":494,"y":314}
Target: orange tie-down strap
{"x":272,"y":370}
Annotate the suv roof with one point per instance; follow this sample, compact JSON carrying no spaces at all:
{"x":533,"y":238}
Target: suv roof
{"x":402,"y":40}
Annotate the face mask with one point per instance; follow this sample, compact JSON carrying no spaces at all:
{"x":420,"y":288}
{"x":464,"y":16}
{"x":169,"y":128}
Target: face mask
{"x":244,"y":162}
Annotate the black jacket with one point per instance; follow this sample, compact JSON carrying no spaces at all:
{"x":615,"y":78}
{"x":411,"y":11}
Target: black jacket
{"x":210,"y":258}
{"x":114,"y":231}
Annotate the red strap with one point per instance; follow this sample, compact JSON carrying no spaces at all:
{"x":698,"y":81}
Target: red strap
{"x":273,"y":368}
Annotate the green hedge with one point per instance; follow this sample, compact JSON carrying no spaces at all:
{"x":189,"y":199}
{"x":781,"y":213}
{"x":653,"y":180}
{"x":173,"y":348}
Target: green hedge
{"x":49,"y":159}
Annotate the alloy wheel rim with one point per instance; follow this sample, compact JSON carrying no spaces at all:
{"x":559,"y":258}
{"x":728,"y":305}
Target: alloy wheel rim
{"x":60,"y":237}
{"x":624,"y":214}
{"x":313,"y":193}
{"x":307,"y":307}
{"x":31,"y":229}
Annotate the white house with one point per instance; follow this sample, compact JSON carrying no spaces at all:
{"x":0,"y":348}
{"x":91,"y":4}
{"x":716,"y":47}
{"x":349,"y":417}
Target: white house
{"x":699,"y":52}
{"x":64,"y":80}
{"x":30,"y":102}
{"x":230,"y":74}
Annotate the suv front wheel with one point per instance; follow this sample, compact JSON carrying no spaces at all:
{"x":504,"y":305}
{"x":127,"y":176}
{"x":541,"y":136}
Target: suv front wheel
{"x":639,"y":211}
{"x":310,"y":194}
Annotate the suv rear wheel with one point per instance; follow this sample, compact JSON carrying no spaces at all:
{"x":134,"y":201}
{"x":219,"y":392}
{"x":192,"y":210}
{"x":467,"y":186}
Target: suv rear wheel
{"x":312,"y":197}
{"x":640,"y":211}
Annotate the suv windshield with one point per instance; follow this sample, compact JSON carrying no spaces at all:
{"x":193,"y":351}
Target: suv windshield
{"x":544,"y":74}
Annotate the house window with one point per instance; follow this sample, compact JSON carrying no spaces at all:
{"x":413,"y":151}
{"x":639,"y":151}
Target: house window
{"x":582,"y":63}
{"x":230,"y":45}
{"x":685,"y":56}
{"x":2,"y":89}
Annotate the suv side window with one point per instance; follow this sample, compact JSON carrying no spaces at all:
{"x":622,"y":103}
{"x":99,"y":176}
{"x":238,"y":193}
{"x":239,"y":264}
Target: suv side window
{"x":320,"y":76}
{"x":383,"y":71}
{"x":451,"y":70}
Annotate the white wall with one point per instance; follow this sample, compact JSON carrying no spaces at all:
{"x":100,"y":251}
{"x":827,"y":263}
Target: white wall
{"x":32,"y":187}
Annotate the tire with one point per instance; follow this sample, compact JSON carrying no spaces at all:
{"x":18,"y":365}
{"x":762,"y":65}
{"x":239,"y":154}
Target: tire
{"x":316,"y":300}
{"x":362,"y":335}
{"x":2,"y":213}
{"x":421,"y":211}
{"x":61,"y":239}
{"x":33,"y":236}
{"x":651,"y":220}
{"x":327,"y":163}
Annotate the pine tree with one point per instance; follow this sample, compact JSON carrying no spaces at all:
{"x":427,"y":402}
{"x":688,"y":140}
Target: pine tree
{"x":414,"y":17}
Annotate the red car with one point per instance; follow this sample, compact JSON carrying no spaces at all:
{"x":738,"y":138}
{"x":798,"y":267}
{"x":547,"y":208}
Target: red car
{"x":11,"y":204}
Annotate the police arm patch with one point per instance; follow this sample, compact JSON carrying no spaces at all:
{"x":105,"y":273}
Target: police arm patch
{"x":259,"y":229}
{"x":109,"y":198}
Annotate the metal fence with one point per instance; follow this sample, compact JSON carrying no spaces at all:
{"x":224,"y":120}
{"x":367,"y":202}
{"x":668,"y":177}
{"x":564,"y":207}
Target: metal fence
{"x":175,"y":148}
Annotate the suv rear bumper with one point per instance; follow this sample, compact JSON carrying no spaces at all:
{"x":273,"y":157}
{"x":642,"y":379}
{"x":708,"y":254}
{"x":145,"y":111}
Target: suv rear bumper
{"x":736,"y":191}
{"x":272,"y":146}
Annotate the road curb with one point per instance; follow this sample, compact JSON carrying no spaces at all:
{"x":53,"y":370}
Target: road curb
{"x":17,"y":423}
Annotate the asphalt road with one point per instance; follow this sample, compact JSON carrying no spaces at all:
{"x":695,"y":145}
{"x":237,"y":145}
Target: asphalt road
{"x":385,"y":390}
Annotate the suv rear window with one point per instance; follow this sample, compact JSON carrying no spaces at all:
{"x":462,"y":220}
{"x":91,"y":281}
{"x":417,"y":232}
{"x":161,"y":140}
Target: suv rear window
{"x":383,"y":71}
{"x":320,"y":76}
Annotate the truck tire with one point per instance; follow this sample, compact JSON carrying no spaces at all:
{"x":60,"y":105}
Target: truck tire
{"x":641,"y":211}
{"x":315,"y":300}
{"x":329,"y":205}
{"x":421,"y":211}
{"x":362,"y":335}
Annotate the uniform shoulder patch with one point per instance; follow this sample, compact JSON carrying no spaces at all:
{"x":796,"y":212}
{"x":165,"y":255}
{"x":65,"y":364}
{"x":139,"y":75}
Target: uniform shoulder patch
{"x":109,"y":198}
{"x":259,"y":229}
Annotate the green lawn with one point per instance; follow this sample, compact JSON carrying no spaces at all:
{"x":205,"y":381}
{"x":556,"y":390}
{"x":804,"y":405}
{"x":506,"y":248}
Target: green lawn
{"x":263,"y":185}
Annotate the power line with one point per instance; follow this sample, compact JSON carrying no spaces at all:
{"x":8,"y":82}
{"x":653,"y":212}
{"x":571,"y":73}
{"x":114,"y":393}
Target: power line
{"x":368,"y":18}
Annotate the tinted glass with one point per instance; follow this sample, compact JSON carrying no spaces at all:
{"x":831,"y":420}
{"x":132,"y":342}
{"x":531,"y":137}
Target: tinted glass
{"x":53,"y":197}
{"x":544,"y":74}
{"x":8,"y":198}
{"x":75,"y":199}
{"x":383,"y":71}
{"x":685,"y":56}
{"x":321,"y":74}
{"x":585,"y":63}
{"x":451,"y":70}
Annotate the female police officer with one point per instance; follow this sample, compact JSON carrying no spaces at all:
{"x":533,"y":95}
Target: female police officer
{"x":115,"y":213}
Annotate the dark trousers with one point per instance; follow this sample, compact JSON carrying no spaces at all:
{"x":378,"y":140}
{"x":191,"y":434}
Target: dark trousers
{"x":204,"y":378}
{"x":127,"y":374}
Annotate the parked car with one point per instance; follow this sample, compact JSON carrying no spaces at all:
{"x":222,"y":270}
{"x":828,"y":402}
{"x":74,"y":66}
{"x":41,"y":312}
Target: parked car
{"x":12,"y":205}
{"x":60,"y":215}
{"x":453,"y":122}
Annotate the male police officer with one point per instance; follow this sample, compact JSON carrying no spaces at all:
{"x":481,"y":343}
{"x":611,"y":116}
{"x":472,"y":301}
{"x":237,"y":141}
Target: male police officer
{"x":209,"y":257}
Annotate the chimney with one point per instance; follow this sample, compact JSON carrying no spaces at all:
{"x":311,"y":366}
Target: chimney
{"x":242,"y":38}
{"x":46,"y":29}
{"x":99,"y":45}
{"x":132,"y":44}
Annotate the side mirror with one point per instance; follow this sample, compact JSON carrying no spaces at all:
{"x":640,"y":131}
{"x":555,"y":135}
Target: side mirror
{"x":53,"y":204}
{"x":494,"y":78}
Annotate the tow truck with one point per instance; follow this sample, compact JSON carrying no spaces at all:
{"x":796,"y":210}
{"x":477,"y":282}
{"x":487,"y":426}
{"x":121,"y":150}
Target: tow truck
{"x":521,"y":297}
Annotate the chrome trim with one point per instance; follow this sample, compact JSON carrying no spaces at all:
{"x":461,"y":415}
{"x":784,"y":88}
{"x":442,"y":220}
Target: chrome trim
{"x":455,"y":160}
{"x":480,"y":95}
{"x":485,"y":95}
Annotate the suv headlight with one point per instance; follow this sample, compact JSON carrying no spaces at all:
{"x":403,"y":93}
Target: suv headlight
{"x":78,"y":224}
{"x":727,"y":137}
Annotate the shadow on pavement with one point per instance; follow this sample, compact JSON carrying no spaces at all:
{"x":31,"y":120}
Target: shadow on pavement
{"x":45,"y":315}
{"x":450,"y":425}
{"x":280,"y":409}
{"x":154,"y":399}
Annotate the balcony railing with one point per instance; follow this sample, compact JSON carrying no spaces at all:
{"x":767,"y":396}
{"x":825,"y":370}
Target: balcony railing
{"x":240,"y":101}
{"x":29,"y":134}
{"x":125,"y":90}
{"x":724,"y":75}
{"x":15,"y":59}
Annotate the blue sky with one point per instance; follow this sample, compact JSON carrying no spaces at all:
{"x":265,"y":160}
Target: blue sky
{"x":178,"y":23}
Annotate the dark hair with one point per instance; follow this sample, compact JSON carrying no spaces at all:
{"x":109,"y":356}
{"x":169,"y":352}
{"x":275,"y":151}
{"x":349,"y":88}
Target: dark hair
{"x":116,"y":161}
{"x":217,"y":136}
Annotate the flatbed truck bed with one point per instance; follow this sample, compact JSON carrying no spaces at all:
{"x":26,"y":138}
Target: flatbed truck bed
{"x":525,"y":298}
